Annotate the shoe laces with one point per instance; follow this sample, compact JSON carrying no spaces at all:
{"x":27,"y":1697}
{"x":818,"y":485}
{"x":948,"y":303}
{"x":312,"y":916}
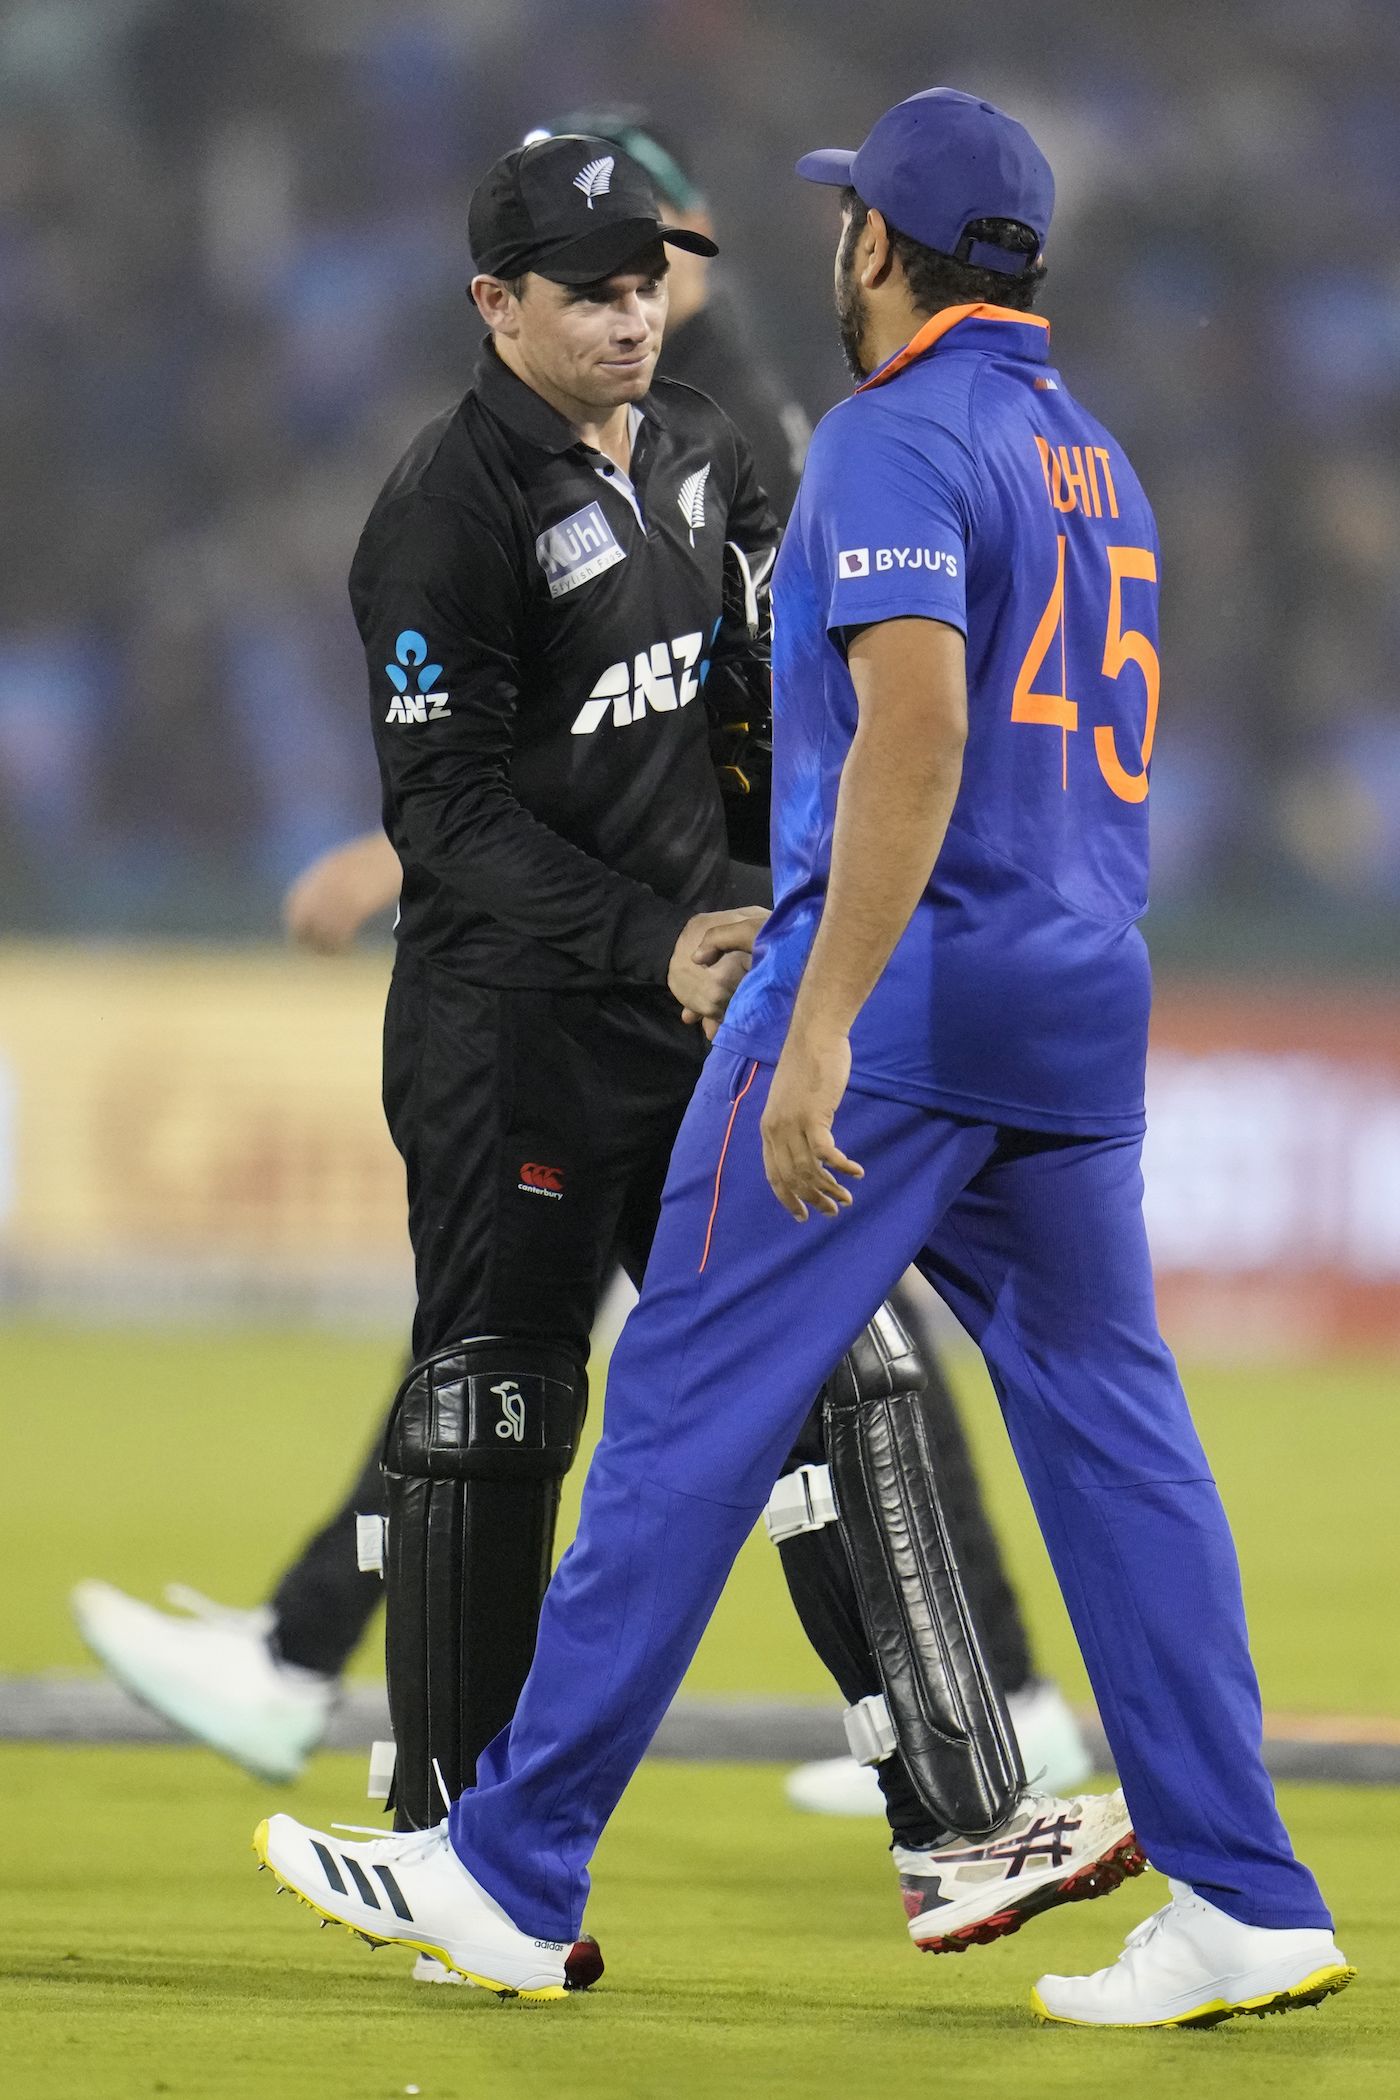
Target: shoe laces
{"x":410,"y":1845}
{"x":1149,"y":1928}
{"x":1183,"y":1898}
{"x":404,"y":1847}
{"x":231,"y":1616}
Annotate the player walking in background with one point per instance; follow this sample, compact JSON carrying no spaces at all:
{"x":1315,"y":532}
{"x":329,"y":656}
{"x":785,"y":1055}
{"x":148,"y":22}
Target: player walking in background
{"x":938,"y":1057}
{"x":260,"y":1686}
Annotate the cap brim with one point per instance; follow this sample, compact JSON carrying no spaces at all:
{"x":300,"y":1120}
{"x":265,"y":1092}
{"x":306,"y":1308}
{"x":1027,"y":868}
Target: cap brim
{"x":831,"y":164}
{"x":609,"y":249}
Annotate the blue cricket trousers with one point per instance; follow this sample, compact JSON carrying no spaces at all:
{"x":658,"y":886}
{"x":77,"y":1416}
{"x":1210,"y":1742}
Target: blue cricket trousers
{"x":1037,"y":1243}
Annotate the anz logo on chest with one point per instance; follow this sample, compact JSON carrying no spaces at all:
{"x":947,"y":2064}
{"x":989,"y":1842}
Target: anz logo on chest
{"x":663,"y":678}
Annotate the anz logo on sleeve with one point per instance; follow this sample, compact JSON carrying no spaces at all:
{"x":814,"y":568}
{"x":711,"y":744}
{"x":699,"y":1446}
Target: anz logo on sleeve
{"x":577,"y":549}
{"x":411,"y":668}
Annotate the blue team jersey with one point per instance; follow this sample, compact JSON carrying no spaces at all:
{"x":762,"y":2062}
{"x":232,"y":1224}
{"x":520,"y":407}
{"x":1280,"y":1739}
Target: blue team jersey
{"x":963,"y":483}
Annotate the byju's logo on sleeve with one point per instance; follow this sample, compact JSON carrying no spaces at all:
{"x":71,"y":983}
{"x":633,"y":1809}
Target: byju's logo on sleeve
{"x":853,"y":561}
{"x":411,"y":675}
{"x":577,"y":549}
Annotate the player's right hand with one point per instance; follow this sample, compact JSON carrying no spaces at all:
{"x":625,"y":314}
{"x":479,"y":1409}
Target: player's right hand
{"x":332,"y":899}
{"x":800,"y":1156}
{"x":710,"y":958}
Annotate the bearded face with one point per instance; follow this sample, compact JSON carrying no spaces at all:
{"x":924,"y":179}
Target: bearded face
{"x":852,"y":313}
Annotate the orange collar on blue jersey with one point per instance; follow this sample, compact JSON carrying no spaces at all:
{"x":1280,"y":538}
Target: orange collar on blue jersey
{"x":934,"y":330}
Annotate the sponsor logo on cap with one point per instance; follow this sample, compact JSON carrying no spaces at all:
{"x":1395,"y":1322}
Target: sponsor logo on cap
{"x":596,"y":179}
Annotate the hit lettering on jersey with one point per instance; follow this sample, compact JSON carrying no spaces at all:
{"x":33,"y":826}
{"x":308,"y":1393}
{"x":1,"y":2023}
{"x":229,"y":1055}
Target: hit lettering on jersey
{"x":965,"y":484}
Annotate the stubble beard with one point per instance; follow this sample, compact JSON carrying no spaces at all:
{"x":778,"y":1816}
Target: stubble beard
{"x":850,"y":323}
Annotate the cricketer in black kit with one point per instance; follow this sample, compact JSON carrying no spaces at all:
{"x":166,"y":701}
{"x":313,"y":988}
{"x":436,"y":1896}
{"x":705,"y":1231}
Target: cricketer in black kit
{"x":559,"y":594}
{"x":541,"y":593}
{"x":554,"y":800}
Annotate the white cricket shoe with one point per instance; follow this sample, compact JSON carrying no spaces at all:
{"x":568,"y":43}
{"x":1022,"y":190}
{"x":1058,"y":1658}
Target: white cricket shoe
{"x":413,"y":1890}
{"x":971,"y":1891}
{"x":1053,"y":1752}
{"x":1190,"y":1965}
{"x":213,"y":1673}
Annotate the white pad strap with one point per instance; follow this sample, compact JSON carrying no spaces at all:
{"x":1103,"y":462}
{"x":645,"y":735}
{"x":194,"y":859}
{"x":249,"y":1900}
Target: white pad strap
{"x":801,"y":1501}
{"x":753,"y":576}
{"x":870,"y":1735}
{"x":369,"y":1544}
{"x":382,"y":1759}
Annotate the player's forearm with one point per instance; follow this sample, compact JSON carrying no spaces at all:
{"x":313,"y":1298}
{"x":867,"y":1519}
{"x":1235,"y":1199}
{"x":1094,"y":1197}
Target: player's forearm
{"x":477,"y":840}
{"x":897,"y":792}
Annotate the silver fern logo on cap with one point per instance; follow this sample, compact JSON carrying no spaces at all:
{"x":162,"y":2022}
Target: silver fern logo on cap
{"x":692,"y":499}
{"x":596,"y":179}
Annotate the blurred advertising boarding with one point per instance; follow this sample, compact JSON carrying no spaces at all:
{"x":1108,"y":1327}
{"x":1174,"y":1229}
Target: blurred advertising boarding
{"x":185,"y":1132}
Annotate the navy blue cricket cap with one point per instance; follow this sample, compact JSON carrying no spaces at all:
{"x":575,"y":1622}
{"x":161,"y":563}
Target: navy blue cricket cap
{"x":574,"y":208}
{"x":940,"y":161}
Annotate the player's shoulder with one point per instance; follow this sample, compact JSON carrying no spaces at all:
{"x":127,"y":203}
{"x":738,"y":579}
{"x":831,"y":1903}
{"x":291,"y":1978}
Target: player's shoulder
{"x":443,"y":462}
{"x":693,"y":416}
{"x":438,"y":501}
{"x":922,"y":414}
{"x":680,"y":401}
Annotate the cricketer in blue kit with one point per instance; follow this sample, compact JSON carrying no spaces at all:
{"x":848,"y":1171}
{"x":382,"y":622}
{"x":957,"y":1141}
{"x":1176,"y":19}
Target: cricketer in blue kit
{"x":937,"y":1057}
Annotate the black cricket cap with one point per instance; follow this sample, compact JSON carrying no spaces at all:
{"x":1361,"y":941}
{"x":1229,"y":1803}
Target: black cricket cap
{"x":631,"y":128}
{"x":574,"y":209}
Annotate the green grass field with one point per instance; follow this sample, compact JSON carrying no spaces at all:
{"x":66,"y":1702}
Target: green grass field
{"x":751,"y":1951}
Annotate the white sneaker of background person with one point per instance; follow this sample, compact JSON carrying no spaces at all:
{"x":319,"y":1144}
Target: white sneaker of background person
{"x":967,"y":1892}
{"x":1191,"y":1965}
{"x":211,"y":1671}
{"x":413,"y":1891}
{"x":1053,"y":1752}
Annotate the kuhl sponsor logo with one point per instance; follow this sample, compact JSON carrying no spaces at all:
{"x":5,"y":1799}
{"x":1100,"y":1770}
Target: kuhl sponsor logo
{"x":577,"y":549}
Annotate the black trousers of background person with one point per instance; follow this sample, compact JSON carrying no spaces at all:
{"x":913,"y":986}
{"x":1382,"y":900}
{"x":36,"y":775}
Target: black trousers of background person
{"x":536,"y":1129}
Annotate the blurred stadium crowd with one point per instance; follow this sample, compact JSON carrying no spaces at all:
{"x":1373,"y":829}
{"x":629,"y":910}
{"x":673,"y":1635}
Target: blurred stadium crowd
{"x":232,"y":271}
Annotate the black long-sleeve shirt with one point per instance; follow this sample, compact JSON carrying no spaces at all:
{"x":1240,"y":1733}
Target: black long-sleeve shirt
{"x":537,"y":654}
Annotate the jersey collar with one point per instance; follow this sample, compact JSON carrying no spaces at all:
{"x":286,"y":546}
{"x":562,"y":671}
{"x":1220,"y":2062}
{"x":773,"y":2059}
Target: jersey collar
{"x":1031,"y":339}
{"x":523,"y":410}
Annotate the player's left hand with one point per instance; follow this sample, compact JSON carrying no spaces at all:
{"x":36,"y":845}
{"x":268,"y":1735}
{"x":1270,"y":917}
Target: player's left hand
{"x":800,"y":1156}
{"x":722,"y":977}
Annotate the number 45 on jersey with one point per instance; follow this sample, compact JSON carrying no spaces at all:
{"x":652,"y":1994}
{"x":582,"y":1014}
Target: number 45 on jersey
{"x":1047,"y":655}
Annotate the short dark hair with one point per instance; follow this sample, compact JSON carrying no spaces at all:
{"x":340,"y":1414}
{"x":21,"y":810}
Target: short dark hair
{"x":936,"y":280}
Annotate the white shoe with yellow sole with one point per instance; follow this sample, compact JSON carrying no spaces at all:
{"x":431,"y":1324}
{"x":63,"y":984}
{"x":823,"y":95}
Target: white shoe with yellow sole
{"x":1191,"y":1965}
{"x":413,"y":1891}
